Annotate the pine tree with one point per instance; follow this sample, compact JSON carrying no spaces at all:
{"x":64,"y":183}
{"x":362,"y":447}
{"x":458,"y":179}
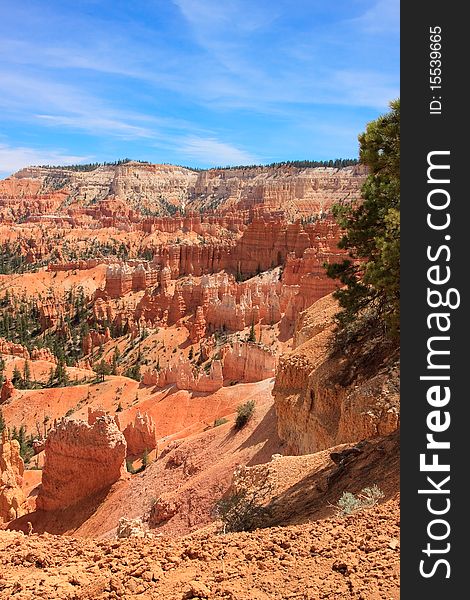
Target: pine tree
{"x":27,"y":374}
{"x":16,"y":377}
{"x":371,"y":275}
{"x":252,"y":334}
{"x":102,"y":370}
{"x":61,"y":375}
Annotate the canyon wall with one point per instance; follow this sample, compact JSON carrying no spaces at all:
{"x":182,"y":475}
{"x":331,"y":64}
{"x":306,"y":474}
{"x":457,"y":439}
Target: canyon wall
{"x":323,"y":398}
{"x":159,"y":190}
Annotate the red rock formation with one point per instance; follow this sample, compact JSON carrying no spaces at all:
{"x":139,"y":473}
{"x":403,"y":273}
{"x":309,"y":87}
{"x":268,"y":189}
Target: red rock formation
{"x":244,"y":361}
{"x":185,"y":377}
{"x":43,"y":354}
{"x":80,"y":460}
{"x":297,"y":191}
{"x":118,"y":280}
{"x":117,"y":195}
{"x":94,"y":339}
{"x":39,"y":445}
{"x":140,"y":435}
{"x":248,"y":362}
{"x":162,"y":510}
{"x":197,"y":329}
{"x":7,"y":391}
{"x":50,"y":312}
{"x":96,"y":413}
{"x":13,"y":349}
{"x":12,"y":496}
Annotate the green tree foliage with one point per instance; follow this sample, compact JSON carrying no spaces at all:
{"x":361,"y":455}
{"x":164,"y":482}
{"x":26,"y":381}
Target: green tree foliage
{"x":101,"y":370}
{"x":61,"y":377}
{"x":244,"y":414}
{"x":27,"y":374}
{"x":16,"y":378}
{"x":337,"y":163}
{"x":133,"y":372}
{"x":371,"y":275}
{"x":248,"y":508}
{"x":2,"y":368}
{"x":92,"y":166}
{"x":25,"y":442}
{"x":115,"y":361}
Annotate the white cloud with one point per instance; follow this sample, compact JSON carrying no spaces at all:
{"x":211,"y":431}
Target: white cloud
{"x":209,"y":151}
{"x":92,"y":124}
{"x":65,"y":105}
{"x":384,"y":16}
{"x":363,"y":88}
{"x":14,"y":158}
{"x":216,"y":17}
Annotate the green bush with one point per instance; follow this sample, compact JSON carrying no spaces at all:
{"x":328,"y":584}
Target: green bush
{"x":244,"y":414}
{"x":219,"y":422}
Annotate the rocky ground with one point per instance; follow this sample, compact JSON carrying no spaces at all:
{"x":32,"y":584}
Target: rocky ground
{"x":340,"y":558}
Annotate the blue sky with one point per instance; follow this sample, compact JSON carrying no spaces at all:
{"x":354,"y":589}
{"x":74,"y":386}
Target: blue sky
{"x":193,"y":82}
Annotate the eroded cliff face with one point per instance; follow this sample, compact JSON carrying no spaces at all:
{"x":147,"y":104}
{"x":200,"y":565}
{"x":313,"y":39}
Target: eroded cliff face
{"x":80,"y":459}
{"x":144,"y":187}
{"x":153,"y":189}
{"x":322,"y":398}
{"x":12,"y":496}
{"x":295,"y":191}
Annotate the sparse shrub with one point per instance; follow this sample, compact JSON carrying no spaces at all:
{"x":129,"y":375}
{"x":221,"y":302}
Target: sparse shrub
{"x":244,"y":414}
{"x":349,"y":503}
{"x":246,"y":509}
{"x":371,"y":495}
{"x":119,"y":407}
{"x":219,"y":422}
